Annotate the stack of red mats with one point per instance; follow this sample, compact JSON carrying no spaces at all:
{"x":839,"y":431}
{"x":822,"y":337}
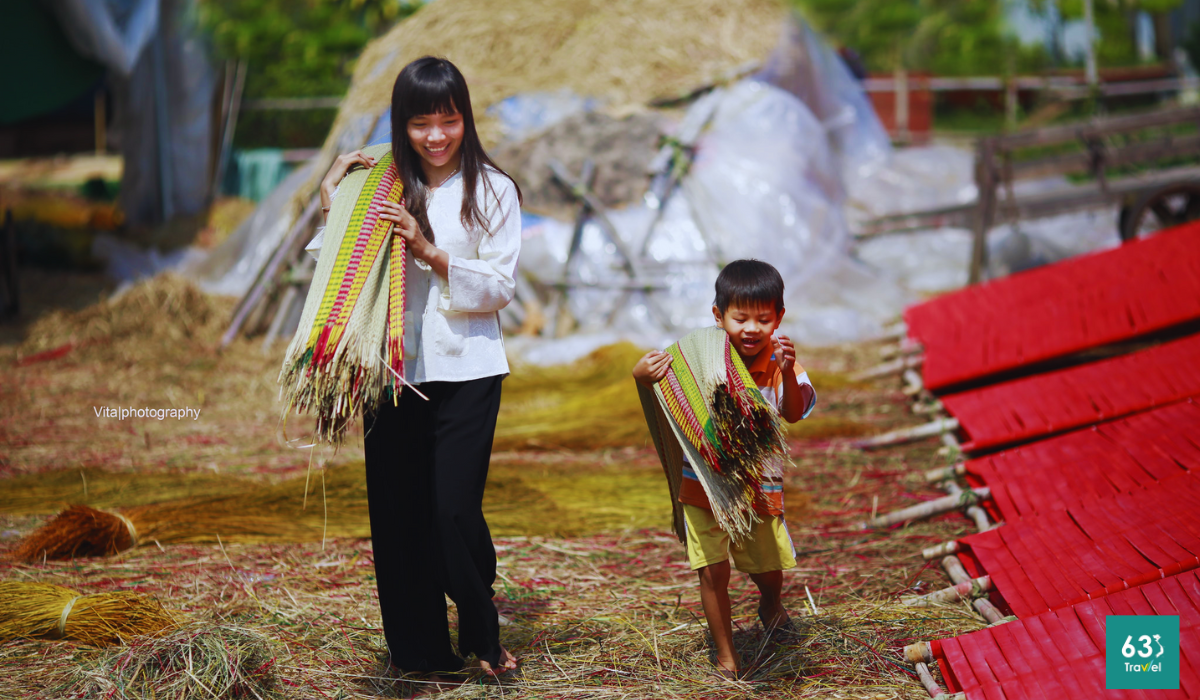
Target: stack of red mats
{"x":1097,"y":462}
{"x":1064,"y":557}
{"x":1060,"y":654}
{"x":1060,"y":309}
{"x":1024,"y":409}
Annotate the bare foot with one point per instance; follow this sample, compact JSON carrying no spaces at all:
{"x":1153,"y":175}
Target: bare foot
{"x":774,"y":619}
{"x":727,"y":672}
{"x":508,"y":662}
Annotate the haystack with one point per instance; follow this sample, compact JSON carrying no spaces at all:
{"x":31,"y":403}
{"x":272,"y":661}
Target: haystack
{"x":163,"y":310}
{"x":624,"y":53}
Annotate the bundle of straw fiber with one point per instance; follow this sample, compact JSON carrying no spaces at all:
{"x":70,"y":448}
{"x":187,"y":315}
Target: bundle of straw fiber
{"x":718,"y":417}
{"x":331,"y":504}
{"x":29,"y":610}
{"x":195,"y":661}
{"x":623,"y":52}
{"x":349,"y":346}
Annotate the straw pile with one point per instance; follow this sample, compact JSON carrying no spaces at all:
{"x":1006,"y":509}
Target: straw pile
{"x":29,"y":610}
{"x":197,"y":661}
{"x":624,"y":52}
{"x":166,"y":310}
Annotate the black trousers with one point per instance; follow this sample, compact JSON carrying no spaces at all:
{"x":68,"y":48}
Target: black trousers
{"x":427,"y":463}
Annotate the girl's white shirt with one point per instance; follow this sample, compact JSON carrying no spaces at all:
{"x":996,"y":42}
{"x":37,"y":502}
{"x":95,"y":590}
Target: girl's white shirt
{"x":451,"y":325}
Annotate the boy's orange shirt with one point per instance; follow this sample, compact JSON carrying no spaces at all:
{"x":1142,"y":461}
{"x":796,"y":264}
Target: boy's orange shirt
{"x":766,"y":374}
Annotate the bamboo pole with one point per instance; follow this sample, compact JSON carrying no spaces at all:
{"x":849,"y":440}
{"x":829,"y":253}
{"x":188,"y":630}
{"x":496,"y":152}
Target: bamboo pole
{"x":913,"y":384}
{"x":974,"y":588}
{"x":941,"y":550}
{"x":954,"y":569}
{"x":897,"y":332}
{"x":889,"y":368}
{"x":896,"y":437}
{"x":929,"y":509}
{"x":943,"y":473}
{"x":919,"y":653}
{"x":979,"y":515}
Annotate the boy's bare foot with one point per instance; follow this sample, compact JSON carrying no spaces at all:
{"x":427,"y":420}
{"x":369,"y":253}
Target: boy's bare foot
{"x":508,"y":662}
{"x":774,"y":619}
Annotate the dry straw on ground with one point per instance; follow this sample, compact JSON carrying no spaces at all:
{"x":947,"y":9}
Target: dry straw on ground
{"x":29,"y":610}
{"x":560,"y":497}
{"x":197,"y":661}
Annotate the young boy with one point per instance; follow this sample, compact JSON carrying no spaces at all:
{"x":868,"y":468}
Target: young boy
{"x":749,"y":308}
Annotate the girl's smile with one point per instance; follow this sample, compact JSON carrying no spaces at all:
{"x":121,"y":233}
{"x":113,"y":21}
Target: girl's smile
{"x":437,"y":138}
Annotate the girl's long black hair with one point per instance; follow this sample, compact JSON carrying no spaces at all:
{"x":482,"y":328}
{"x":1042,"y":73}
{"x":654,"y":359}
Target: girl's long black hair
{"x":431,"y":85}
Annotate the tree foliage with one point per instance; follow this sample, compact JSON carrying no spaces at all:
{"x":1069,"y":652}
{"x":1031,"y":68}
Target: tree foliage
{"x":961,"y":37}
{"x":295,"y":48}
{"x":298,"y":47}
{"x":948,"y":37}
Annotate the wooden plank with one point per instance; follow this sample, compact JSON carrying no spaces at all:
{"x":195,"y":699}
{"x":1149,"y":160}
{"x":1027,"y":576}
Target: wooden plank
{"x":270,"y":271}
{"x":1114,"y":157}
{"x":1097,"y":128}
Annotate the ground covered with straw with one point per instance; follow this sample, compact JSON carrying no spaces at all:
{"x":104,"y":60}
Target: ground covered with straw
{"x":596,"y":591}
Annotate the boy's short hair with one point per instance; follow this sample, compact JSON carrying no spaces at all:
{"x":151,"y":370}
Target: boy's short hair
{"x":749,"y":282}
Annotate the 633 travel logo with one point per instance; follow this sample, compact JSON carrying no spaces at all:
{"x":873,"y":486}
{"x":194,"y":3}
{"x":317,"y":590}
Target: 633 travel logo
{"x":1141,"y":652}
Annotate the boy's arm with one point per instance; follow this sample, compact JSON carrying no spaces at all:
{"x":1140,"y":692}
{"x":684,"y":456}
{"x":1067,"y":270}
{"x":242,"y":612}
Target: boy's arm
{"x":651,"y":369}
{"x":799,"y":397}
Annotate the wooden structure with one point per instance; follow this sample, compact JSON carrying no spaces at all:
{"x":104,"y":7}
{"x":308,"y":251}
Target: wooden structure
{"x":279,"y":290}
{"x":1101,"y":149}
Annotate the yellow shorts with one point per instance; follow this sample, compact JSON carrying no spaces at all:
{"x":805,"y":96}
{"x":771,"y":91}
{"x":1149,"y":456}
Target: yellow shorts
{"x":769,"y":547}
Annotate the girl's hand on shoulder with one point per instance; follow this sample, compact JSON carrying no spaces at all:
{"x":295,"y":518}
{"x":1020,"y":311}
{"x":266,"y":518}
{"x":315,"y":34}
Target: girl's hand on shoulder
{"x":342,"y":165}
{"x":785,"y":354}
{"x":653,"y":366}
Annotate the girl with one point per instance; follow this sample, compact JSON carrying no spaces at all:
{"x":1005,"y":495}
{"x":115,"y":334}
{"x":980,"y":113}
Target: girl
{"x":427,"y":459}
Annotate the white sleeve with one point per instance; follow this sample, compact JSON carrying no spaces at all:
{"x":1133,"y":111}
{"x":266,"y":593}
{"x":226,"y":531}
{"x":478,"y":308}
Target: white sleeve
{"x":314,"y":246}
{"x":488,"y":282}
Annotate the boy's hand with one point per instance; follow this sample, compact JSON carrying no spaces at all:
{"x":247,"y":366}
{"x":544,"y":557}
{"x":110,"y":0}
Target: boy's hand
{"x":785,"y":354}
{"x":652,"y":367}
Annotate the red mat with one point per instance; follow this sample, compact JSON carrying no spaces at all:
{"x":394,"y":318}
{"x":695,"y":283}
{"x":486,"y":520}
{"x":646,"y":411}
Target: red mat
{"x":1060,"y":309}
{"x":1060,"y":654}
{"x":1097,"y":462}
{"x":1032,"y":407}
{"x":1064,"y":557}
